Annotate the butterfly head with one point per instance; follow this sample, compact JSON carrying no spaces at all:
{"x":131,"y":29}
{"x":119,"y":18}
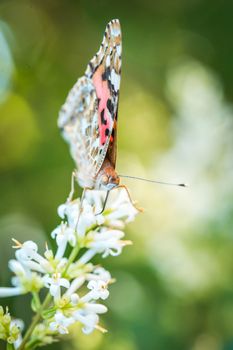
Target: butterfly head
{"x":107,"y":179}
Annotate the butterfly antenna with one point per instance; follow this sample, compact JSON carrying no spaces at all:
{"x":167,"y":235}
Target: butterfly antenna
{"x":154,"y":181}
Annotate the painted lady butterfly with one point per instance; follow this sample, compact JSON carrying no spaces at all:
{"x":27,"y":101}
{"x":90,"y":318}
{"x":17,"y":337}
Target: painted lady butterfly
{"x":88,"y":119}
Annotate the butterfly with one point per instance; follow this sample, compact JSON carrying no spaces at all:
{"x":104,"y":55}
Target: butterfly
{"x":88,"y":118}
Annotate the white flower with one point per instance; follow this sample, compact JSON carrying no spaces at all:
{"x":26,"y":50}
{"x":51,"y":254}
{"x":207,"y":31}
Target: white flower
{"x":62,"y":231}
{"x":61,"y":264}
{"x":29,"y":283}
{"x":27,"y":251}
{"x":98,"y":289}
{"x":96,"y":199}
{"x":74,"y":298}
{"x":79,"y":222}
{"x":121,"y":208}
{"x":16,"y":267}
{"x":70,"y":211}
{"x":20,"y":325}
{"x":89,"y":233}
{"x":61,"y":323}
{"x":63,"y":234}
{"x":89,"y":321}
{"x":87,"y":219}
{"x":28,"y":256}
{"x":11,"y":291}
{"x":24,"y":280}
{"x":10,"y":330}
{"x":99,"y":273}
{"x":107,"y":242}
{"x":94,"y":308}
{"x":87,"y":256}
{"x":61,"y":210}
{"x":55,"y":283}
{"x":75,"y":284}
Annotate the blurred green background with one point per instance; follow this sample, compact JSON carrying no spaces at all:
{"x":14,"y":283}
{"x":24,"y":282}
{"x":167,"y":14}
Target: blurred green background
{"x":174,"y":286}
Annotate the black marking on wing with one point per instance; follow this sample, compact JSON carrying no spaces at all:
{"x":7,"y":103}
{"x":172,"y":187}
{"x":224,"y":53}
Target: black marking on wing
{"x":103,"y":120}
{"x":110,"y":106}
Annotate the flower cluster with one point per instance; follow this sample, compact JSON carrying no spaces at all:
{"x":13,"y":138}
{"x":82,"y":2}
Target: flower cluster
{"x":75,"y":285}
{"x":10,"y":330}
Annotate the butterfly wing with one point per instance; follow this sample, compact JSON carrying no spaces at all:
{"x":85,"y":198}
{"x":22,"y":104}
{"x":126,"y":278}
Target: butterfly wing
{"x":105,"y":71}
{"x":78,"y":121}
{"x":88,"y":117}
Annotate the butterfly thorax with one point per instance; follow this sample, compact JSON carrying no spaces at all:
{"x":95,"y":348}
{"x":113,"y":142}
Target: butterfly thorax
{"x":107,"y":177}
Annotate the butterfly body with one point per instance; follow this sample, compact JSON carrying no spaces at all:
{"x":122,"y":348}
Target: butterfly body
{"x":107,"y":177}
{"x":88,"y":119}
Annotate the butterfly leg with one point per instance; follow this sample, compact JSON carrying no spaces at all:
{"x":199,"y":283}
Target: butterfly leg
{"x":81,"y":206}
{"x":130,"y":199}
{"x":69,"y":198}
{"x":105,"y":202}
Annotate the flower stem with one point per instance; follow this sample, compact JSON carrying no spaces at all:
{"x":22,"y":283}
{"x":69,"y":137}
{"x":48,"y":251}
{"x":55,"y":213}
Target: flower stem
{"x":72,"y":257}
{"x":46,"y":302}
{"x":35,"y":321}
{"x":10,"y":347}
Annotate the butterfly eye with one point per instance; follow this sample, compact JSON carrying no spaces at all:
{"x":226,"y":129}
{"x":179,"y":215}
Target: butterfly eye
{"x":104,"y":179}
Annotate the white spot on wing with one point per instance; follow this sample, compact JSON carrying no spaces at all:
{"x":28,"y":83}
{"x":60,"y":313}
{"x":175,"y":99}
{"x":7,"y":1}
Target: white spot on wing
{"x":115,"y":80}
{"x":108,"y":61}
{"x":119,"y":50}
